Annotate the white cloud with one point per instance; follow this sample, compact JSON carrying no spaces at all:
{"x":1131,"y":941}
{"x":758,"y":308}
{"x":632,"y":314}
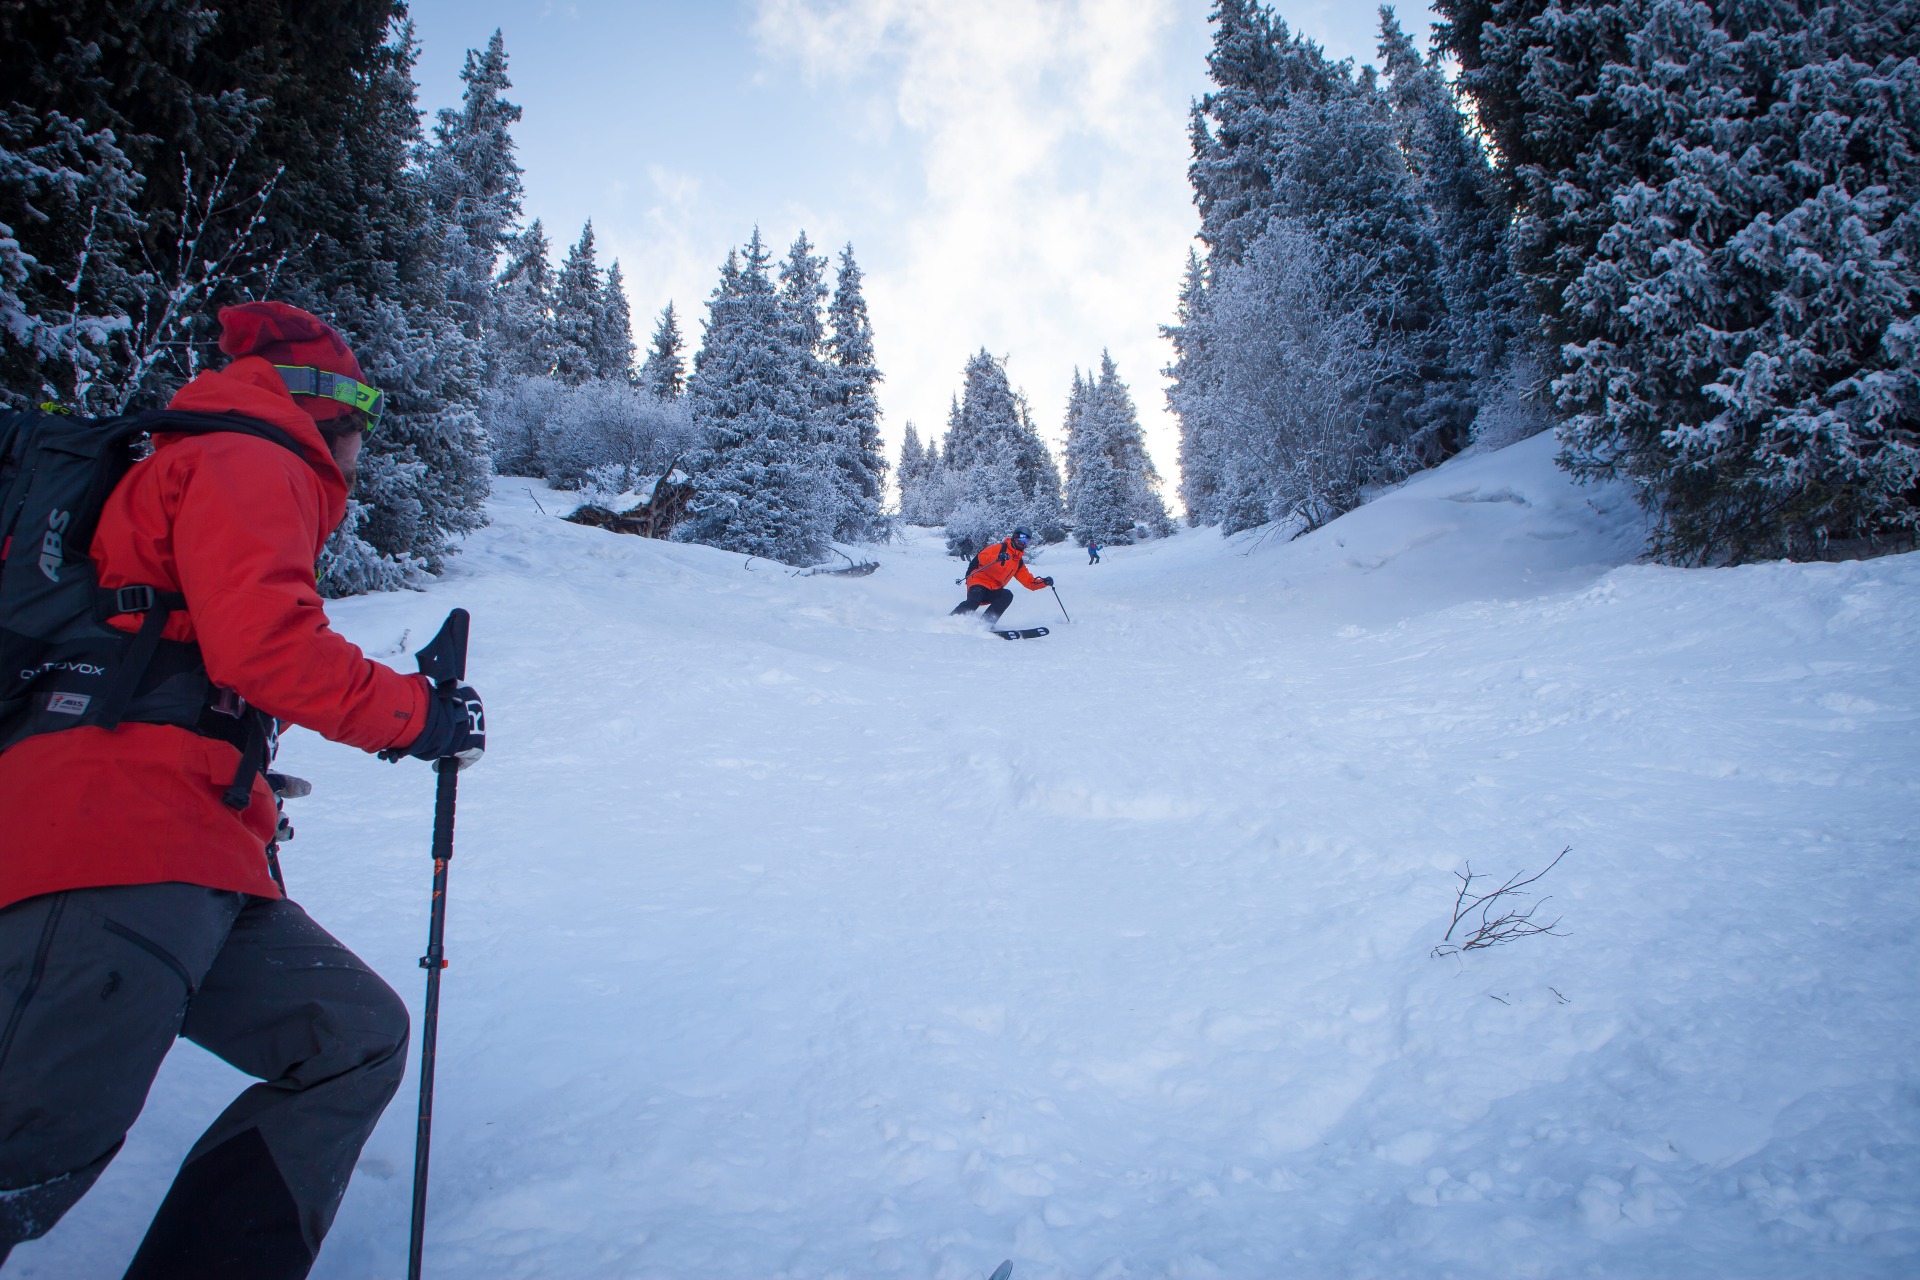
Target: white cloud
{"x":671,"y":251}
{"x":1052,"y":215}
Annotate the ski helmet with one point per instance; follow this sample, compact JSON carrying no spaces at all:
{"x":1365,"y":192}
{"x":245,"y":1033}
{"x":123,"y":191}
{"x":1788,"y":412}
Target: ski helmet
{"x":1021,"y":535}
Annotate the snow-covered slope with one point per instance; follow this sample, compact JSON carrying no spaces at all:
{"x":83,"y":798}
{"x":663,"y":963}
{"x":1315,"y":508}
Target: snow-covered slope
{"x":799,"y":930}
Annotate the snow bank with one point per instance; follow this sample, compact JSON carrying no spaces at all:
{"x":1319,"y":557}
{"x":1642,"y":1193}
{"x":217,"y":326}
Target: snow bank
{"x":800,"y":930}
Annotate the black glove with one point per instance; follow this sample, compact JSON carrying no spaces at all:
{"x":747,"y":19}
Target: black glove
{"x":456,"y":727}
{"x":1046,"y":582}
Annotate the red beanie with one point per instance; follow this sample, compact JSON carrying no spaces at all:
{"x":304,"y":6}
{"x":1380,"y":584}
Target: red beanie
{"x":282,"y":334}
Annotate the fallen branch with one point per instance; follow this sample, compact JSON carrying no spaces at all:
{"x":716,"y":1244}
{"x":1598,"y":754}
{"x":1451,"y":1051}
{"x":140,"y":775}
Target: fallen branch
{"x":1496,"y":917}
{"x":852,"y":569}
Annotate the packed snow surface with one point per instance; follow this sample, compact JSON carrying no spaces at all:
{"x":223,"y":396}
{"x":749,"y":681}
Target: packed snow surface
{"x":799,"y":930}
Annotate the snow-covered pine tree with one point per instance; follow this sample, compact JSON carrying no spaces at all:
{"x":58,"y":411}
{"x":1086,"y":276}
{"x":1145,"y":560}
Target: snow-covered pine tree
{"x":803,"y":293}
{"x":665,"y":373}
{"x":314,"y":104}
{"x":1486,"y":323}
{"x":1095,"y":506}
{"x":941,"y":487}
{"x":521,"y":342}
{"x":1190,"y":397}
{"x":383,"y":281}
{"x":208,"y":109}
{"x":613,"y":330}
{"x":1532,"y":69}
{"x":854,"y":409}
{"x":579,"y":301}
{"x":1144,"y":484}
{"x":760,"y":490}
{"x":936,"y":487}
{"x":1113,"y":488}
{"x":67,"y":224}
{"x":1255,"y":64}
{"x":1288,"y":135}
{"x":473,"y":183}
{"x":1719,"y":208}
{"x":996,"y":465}
{"x":924,"y":492}
{"x":519,"y":351}
{"x":913,"y":464}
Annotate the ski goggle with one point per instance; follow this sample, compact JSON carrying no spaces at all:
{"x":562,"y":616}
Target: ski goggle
{"x":305,"y":380}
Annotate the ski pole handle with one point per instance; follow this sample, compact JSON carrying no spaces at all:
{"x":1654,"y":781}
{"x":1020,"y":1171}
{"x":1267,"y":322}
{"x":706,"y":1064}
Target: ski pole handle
{"x":443,"y":659}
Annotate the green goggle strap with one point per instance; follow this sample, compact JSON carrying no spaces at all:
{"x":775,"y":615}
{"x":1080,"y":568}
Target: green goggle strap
{"x":305,"y":380}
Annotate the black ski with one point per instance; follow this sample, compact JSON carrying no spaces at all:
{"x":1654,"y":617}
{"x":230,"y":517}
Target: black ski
{"x":1025,"y":633}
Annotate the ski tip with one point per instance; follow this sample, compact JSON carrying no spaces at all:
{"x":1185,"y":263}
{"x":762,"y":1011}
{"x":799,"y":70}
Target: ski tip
{"x":1025,"y":633}
{"x":1004,"y":1270}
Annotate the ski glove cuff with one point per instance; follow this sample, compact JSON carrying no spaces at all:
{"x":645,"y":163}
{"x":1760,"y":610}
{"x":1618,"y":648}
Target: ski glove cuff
{"x":456,"y":728}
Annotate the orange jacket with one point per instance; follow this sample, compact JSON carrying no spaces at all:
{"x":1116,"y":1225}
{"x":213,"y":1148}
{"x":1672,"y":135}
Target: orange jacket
{"x":233,"y":523}
{"x":1000,"y":562}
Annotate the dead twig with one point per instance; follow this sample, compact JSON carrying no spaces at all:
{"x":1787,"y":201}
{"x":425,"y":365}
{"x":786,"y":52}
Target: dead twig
{"x":1496,"y":917}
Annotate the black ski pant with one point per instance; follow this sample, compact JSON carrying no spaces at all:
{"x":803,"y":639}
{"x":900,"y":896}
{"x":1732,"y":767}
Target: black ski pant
{"x":94,"y":986}
{"x":996,"y":602}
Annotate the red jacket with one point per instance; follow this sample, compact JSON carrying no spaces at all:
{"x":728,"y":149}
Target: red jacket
{"x":233,"y":523}
{"x":1000,"y":562}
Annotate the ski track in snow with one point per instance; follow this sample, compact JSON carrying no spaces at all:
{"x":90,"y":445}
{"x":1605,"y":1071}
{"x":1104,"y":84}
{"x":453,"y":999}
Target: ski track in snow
{"x":798,"y":930}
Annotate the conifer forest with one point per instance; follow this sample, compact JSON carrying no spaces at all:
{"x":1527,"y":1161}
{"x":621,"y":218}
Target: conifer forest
{"x":1685,"y":235}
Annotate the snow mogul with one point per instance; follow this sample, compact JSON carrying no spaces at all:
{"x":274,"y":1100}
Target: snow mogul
{"x":137,"y":899}
{"x":989,"y":571}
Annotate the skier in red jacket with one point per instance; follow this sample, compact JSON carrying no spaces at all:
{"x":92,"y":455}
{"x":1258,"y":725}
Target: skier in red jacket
{"x":994,"y":568}
{"x":136,"y":906}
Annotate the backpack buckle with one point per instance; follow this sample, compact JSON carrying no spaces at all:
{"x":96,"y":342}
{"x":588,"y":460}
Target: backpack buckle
{"x":136,"y":599}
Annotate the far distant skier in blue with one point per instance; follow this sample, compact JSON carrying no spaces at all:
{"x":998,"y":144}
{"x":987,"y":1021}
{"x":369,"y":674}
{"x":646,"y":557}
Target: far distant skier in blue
{"x":1093,"y":553}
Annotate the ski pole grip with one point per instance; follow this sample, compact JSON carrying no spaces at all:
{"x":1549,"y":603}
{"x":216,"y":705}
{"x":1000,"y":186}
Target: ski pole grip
{"x":443,"y":659}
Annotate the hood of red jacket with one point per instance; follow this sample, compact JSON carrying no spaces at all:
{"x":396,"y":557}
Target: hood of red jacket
{"x":252,"y":387}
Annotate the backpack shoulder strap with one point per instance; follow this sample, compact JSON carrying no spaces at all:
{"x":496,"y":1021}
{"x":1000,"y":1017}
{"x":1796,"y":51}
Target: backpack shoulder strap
{"x":183,"y":423}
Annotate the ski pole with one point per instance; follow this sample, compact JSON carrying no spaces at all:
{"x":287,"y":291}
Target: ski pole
{"x":443,"y":661}
{"x":1056,"y":600}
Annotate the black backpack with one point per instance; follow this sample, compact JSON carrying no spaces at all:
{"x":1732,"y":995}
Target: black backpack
{"x":973,"y":561}
{"x":61,"y":665}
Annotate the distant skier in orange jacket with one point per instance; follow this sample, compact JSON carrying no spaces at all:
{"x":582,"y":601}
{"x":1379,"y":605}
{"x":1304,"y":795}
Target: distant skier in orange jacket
{"x":987,"y":584}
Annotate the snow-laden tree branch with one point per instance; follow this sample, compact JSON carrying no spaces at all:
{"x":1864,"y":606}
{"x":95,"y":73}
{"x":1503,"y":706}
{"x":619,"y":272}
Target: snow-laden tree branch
{"x":211,"y":256}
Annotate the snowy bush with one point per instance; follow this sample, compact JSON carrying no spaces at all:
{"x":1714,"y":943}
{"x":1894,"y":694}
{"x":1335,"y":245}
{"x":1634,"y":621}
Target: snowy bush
{"x":1295,"y":367}
{"x":518,"y":412}
{"x":605,"y":428}
{"x":604,"y":424}
{"x":1514,"y":404}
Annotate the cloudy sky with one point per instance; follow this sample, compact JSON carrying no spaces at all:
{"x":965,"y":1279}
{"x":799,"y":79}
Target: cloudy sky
{"x":1011,"y":173}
